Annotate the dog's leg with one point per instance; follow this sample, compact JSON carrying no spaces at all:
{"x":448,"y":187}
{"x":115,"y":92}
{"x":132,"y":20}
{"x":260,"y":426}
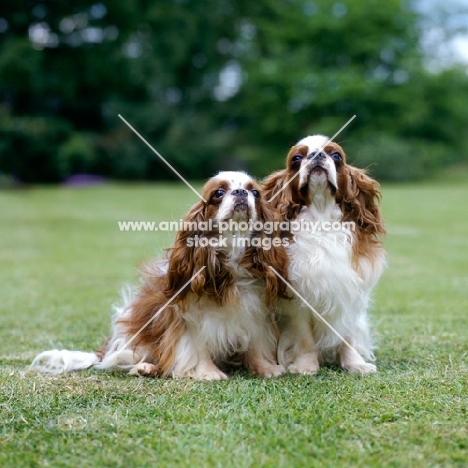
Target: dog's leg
{"x":296,"y":346}
{"x":193,"y":358}
{"x":352,"y":361}
{"x":260,"y":360}
{"x":306,"y":363}
{"x":260,"y":357}
{"x":206,"y":369}
{"x":259,"y":365}
{"x":359,"y":338}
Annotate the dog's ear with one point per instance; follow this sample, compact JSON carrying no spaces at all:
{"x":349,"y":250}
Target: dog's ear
{"x":360,"y":202}
{"x":281,"y":198}
{"x":184,"y":259}
{"x":272,"y":185}
{"x":267,"y":250}
{"x":187,"y":257}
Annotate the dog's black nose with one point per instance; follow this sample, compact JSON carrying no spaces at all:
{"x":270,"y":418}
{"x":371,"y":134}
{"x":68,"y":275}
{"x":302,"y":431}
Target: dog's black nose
{"x":317,"y":156}
{"x":240,"y":193}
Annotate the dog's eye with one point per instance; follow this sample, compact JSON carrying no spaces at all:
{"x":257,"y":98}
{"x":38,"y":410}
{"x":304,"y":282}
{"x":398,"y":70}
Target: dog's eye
{"x":219,"y":193}
{"x":337,"y":156}
{"x":255,"y":193}
{"x":297,"y":158}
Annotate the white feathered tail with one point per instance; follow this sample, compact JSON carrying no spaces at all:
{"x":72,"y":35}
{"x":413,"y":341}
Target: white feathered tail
{"x":58,"y":361}
{"x":116,"y":355}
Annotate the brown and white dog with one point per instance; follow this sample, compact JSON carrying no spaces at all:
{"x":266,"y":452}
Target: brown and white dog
{"x":332,"y":266}
{"x":222,"y":314}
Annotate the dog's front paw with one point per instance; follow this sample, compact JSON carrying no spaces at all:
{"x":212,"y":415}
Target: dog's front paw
{"x":305,"y":364}
{"x":360,"y":368}
{"x":211,"y":375}
{"x":271,"y":370}
{"x":304,"y":368}
{"x":206,"y":369}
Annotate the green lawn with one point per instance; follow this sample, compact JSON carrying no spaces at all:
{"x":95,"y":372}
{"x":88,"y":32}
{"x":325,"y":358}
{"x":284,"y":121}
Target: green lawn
{"x":63,"y":261}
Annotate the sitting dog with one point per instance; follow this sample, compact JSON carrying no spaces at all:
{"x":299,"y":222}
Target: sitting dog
{"x":206,"y":303}
{"x":336,"y":257}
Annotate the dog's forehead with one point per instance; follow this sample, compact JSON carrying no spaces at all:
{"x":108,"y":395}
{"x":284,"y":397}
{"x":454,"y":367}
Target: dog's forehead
{"x":313,"y":142}
{"x":234,"y":179}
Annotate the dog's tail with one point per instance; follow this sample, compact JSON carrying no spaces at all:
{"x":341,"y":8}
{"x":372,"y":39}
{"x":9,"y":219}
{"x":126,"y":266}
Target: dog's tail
{"x":58,"y":361}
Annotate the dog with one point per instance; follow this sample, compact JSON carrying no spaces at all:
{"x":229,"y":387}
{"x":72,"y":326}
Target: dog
{"x":334,"y":270}
{"x":205,"y":304}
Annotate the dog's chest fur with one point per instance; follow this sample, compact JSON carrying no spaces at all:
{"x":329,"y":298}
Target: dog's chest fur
{"x":321,"y":260}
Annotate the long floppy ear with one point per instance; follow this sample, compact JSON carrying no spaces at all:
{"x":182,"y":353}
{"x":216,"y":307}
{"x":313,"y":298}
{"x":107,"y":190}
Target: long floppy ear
{"x":267,"y":249}
{"x":283,"y":201}
{"x":360,"y":202}
{"x":187,"y":257}
{"x":272,"y":185}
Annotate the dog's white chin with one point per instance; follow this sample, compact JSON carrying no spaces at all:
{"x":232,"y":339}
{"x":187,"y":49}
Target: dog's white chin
{"x":241,"y":212}
{"x":318,"y":180}
{"x":238,"y":214}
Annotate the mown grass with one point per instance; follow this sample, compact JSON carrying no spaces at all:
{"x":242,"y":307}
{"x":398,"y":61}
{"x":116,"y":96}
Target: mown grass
{"x":63,"y":261}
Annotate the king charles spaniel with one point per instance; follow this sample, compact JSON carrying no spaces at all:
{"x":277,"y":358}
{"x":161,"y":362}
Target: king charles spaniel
{"x":185,"y":322}
{"x":335,"y":257}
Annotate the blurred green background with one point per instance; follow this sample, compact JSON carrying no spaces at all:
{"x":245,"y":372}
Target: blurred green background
{"x":224,"y":84}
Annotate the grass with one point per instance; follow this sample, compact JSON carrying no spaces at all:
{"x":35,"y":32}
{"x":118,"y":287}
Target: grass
{"x":63,"y":262}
